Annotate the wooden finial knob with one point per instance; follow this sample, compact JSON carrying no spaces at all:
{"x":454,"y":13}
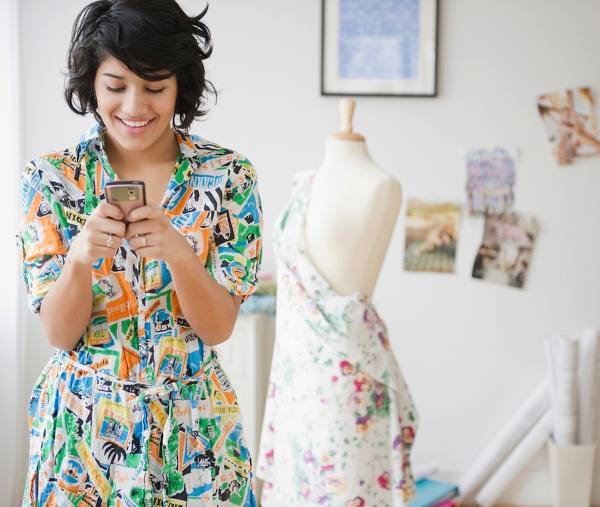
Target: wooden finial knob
{"x":347,"y":106}
{"x":346,"y":114}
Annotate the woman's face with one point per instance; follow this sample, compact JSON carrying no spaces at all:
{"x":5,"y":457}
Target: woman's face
{"x":123,"y":97}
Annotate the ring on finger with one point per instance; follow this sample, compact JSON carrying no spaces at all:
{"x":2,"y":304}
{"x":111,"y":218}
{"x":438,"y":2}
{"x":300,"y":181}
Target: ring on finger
{"x":143,"y":236}
{"x":109,"y":241}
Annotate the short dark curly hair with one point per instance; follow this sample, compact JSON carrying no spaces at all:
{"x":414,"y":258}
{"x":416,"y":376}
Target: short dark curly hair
{"x":149,"y":37}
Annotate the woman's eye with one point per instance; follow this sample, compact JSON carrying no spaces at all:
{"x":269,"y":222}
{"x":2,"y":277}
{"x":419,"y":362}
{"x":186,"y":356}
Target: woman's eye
{"x":121,"y":89}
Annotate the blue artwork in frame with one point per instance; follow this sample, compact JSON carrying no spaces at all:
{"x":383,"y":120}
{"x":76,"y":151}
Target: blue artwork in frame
{"x":379,"y":47}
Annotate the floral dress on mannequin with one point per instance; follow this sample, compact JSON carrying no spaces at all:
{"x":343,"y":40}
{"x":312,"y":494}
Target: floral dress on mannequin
{"x":339,"y":420}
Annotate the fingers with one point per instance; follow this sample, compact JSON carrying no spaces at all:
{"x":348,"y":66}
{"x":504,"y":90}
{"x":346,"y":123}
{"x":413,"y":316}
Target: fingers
{"x":143,"y":241}
{"x":105,"y":232}
{"x":144,"y":227}
{"x":148,"y":221}
{"x":147,"y":212}
{"x":91,"y":246}
{"x":108,"y":210}
{"x":106,"y":228}
{"x":104,"y":239}
{"x":106,"y":225}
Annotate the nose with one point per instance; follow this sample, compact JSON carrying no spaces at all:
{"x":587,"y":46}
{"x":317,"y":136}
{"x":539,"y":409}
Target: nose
{"x":135,"y":103}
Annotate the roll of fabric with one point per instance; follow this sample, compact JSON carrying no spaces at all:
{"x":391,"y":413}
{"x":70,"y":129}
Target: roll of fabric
{"x":517,"y":460}
{"x":497,"y":450}
{"x":589,"y":372}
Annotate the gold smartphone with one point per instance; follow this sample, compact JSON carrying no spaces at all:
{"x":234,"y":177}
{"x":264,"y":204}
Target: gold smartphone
{"x":126,"y":195}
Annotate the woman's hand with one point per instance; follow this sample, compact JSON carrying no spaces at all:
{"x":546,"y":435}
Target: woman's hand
{"x":103,"y":227}
{"x":151,"y":234}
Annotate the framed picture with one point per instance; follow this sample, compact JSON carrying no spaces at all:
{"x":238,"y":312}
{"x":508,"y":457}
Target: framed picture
{"x":379,"y":47}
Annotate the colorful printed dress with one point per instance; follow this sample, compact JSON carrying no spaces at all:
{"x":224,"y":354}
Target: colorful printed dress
{"x":339,"y":420}
{"x":140,"y":412}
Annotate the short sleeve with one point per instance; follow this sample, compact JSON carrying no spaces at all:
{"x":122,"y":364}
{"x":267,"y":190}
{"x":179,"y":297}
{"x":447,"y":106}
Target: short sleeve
{"x":41,"y":248}
{"x":235,"y":248}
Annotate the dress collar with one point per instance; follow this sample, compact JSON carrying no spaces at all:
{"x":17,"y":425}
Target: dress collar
{"x":91,"y":154}
{"x":92,"y":144}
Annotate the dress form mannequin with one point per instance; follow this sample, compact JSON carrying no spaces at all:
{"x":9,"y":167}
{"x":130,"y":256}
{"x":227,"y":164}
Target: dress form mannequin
{"x":330,"y":241}
{"x":352,"y":210}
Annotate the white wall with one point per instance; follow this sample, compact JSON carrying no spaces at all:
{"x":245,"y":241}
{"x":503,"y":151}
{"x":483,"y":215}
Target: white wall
{"x":12,"y":429}
{"x":471,"y":351}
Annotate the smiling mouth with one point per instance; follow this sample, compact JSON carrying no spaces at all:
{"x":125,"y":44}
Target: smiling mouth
{"x":144,"y":125}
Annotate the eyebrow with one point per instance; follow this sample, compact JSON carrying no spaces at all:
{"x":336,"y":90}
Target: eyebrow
{"x":112,"y":75}
{"x":122,"y":77}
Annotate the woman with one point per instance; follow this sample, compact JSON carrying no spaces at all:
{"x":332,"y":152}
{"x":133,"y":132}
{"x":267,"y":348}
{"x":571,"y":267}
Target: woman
{"x":134,"y":408}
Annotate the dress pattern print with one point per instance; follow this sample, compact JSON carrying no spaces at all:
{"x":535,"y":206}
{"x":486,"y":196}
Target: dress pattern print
{"x":140,"y":412}
{"x":339,"y":421}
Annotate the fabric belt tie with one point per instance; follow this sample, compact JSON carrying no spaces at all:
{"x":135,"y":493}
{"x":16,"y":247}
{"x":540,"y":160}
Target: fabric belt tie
{"x":149,"y":393}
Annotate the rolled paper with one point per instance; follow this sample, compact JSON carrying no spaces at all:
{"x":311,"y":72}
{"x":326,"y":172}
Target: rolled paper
{"x":550,"y":355}
{"x":566,"y":411}
{"x":508,"y":437}
{"x":489,"y":495}
{"x":588,"y":384}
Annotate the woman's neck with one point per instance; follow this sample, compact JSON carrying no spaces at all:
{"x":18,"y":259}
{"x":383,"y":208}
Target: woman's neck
{"x":126,"y":162}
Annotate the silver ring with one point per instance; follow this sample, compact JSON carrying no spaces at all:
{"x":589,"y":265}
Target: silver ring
{"x":143,"y":236}
{"x":109,"y":241}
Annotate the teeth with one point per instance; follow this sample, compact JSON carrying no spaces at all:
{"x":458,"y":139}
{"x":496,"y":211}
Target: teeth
{"x":135,"y":123}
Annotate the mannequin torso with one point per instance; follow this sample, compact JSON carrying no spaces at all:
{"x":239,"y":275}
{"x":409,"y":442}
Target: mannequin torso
{"x":352,"y":209}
